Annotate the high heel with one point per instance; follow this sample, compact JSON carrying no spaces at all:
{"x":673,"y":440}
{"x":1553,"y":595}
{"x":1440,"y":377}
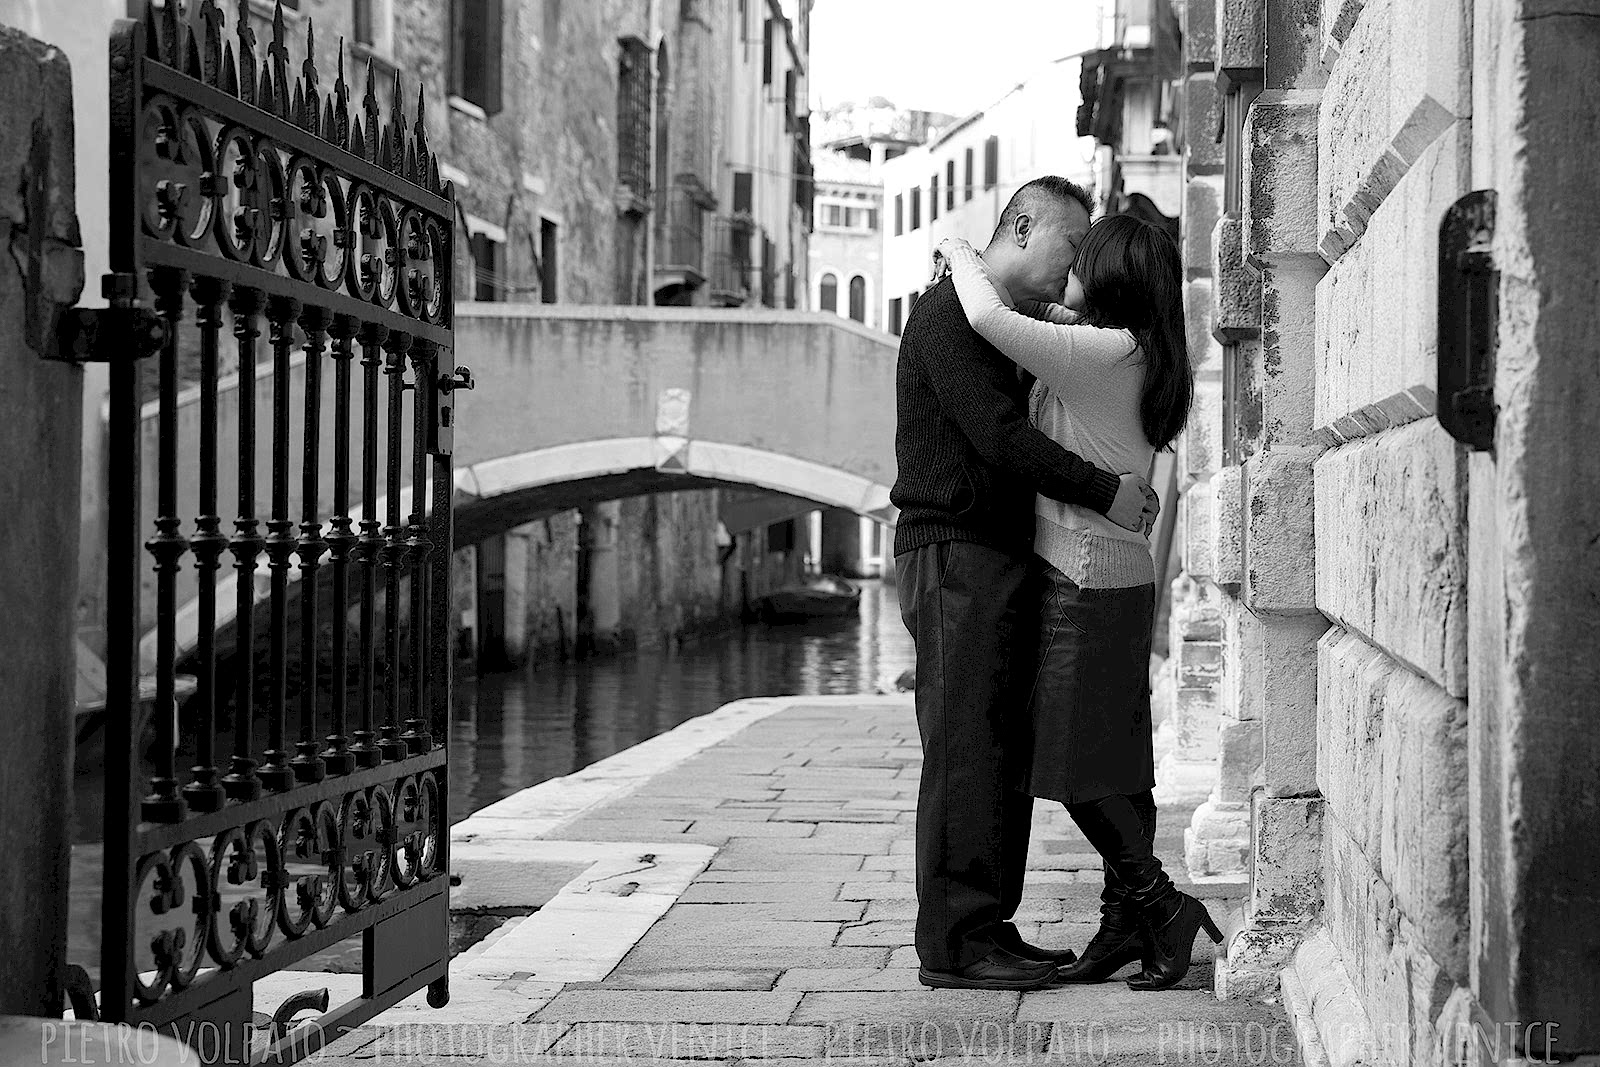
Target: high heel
{"x":1172,"y":919}
{"x":1117,"y":943}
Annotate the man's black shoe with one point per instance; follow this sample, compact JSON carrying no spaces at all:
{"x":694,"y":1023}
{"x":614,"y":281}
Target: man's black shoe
{"x":1018,"y":947}
{"x":1000,"y":969}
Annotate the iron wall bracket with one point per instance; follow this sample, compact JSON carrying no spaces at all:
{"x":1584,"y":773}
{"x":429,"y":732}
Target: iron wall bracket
{"x":107,"y":335}
{"x":1468,"y":327}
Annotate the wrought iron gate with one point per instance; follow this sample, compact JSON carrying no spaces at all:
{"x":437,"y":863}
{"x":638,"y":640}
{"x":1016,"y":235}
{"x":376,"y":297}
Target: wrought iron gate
{"x":314,"y":804}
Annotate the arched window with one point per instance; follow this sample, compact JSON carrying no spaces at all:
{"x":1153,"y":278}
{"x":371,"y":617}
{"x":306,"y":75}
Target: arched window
{"x":858,"y":299}
{"x":828,"y":299}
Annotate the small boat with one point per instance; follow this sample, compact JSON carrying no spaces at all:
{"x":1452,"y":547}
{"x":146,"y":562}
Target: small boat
{"x":821,"y":597}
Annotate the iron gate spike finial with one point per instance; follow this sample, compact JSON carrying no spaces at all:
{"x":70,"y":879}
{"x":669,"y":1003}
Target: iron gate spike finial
{"x":369,"y":104}
{"x":341,"y":96}
{"x":278,"y":50}
{"x":210,"y":17}
{"x":247,"y":52}
{"x":170,"y":40}
{"x":230,"y":72}
{"x":397,"y":123}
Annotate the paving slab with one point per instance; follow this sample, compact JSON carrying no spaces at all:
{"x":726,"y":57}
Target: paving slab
{"x":745,"y":893}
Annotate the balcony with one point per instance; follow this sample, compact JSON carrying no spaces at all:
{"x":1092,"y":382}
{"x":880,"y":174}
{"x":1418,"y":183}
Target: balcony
{"x":680,"y":238}
{"x":733,"y":268}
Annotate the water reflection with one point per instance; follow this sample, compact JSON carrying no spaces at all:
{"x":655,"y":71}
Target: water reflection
{"x":510,"y":731}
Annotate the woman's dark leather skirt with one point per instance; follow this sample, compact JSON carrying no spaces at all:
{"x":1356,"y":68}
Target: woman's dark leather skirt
{"x":1091,"y":696}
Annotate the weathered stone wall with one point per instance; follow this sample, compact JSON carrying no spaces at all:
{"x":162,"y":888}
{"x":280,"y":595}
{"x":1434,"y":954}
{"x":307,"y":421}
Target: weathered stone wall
{"x":1431,"y":871}
{"x":41,"y":438}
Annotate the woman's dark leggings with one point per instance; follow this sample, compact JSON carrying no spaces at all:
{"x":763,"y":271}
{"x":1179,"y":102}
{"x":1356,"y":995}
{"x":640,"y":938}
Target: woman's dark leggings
{"x":1122,"y":828}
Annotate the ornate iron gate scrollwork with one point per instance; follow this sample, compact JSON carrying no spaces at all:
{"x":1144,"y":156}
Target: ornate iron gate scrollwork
{"x":277,"y":211}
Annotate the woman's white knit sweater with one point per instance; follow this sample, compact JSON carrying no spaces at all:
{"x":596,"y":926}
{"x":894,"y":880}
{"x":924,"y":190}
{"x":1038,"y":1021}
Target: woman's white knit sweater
{"x":1090,"y":381}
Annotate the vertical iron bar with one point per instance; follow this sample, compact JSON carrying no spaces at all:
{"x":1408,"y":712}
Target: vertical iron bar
{"x":163,"y":804}
{"x":422,"y":356}
{"x":204,"y":793}
{"x":307,"y":762}
{"x":240,"y":783}
{"x":370,"y":543}
{"x":340,"y":543}
{"x":275,"y":774}
{"x":123,"y":551}
{"x":394,"y":548}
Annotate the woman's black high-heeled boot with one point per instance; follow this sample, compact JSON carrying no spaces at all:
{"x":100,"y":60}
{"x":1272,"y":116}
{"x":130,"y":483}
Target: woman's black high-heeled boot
{"x":1121,"y":937}
{"x":1171,"y":921}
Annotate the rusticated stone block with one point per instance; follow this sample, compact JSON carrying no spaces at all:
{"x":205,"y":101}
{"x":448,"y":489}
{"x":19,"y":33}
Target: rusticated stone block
{"x":1289,"y":352}
{"x":1286,"y":877}
{"x":1202,"y":206}
{"x":1202,"y":435}
{"x":1199,"y":25}
{"x":1197,"y":313}
{"x":1280,"y":180}
{"x":1400,"y":81}
{"x":1196,"y":611}
{"x":1402,"y":985}
{"x":1240,"y":37}
{"x":1293,"y":33}
{"x":1351,"y":677}
{"x":1207,"y":362}
{"x":1377,"y":319}
{"x":1239,"y":759}
{"x":1197,"y":532}
{"x":1236,"y":288}
{"x":1202,"y":120}
{"x":1241,"y":647}
{"x":1194,"y":722}
{"x":1391,"y":520}
{"x":1227,"y":526}
{"x":1396,"y":750}
{"x":1287,"y":675}
{"x":1217,"y":841}
{"x":1425,"y":812}
{"x":1280,"y":562}
{"x":1199,"y":664}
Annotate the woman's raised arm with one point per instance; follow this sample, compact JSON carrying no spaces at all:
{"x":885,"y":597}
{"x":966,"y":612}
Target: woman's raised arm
{"x":1054,"y":352}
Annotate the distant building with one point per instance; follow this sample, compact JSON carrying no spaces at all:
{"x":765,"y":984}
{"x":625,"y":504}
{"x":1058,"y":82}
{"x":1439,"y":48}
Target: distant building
{"x":958,"y":183}
{"x":847,"y":242}
{"x":1131,"y":90}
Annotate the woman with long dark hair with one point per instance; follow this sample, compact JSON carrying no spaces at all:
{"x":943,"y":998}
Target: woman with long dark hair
{"x":1114,"y":384}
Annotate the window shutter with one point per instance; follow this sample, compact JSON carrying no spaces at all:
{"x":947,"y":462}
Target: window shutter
{"x":766,"y":55}
{"x":458,"y":47}
{"x":493,"y":36}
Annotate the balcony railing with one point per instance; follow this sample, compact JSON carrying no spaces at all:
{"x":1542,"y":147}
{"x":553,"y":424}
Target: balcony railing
{"x":733,"y":266}
{"x":681,"y":236}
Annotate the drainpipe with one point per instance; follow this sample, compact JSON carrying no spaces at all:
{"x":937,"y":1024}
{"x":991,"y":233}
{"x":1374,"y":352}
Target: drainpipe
{"x":654,"y":34}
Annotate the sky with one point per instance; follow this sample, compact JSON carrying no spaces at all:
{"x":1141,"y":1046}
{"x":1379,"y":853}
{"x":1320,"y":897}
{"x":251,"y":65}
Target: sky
{"x":955,"y":56}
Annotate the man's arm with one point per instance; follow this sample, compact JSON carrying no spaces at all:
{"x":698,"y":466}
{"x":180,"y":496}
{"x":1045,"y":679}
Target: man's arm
{"x":971,"y":392}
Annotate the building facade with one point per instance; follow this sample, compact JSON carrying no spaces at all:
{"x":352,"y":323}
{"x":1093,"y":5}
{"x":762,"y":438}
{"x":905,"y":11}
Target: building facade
{"x":847,"y":243}
{"x":957,"y":184}
{"x":574,"y":134}
{"x":1383,"y":632}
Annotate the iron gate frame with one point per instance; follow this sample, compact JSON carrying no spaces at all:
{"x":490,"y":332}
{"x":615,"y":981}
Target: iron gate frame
{"x":344,"y":230}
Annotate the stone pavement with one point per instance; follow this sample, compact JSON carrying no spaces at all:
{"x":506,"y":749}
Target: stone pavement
{"x":749,"y":897}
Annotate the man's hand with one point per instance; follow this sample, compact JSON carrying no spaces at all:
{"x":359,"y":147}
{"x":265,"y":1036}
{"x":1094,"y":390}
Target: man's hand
{"x":1136,"y":505}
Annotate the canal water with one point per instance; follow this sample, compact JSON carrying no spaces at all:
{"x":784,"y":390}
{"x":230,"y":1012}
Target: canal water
{"x":510,"y":731}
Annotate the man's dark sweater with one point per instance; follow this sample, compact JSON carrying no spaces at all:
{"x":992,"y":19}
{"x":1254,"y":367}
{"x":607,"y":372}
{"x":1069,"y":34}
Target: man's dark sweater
{"x":969,"y":460}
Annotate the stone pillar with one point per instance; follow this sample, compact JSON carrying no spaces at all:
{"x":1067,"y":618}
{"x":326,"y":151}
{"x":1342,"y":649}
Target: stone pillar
{"x":602,"y":579}
{"x":841,"y":542}
{"x":41,"y":440}
{"x":1268,"y":263}
{"x":518,"y":580}
{"x":1217,"y":840}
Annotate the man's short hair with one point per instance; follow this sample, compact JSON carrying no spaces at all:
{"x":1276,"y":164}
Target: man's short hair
{"x":1035,"y":196}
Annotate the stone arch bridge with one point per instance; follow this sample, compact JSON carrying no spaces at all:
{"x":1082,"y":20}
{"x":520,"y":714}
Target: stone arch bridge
{"x":578,"y":404}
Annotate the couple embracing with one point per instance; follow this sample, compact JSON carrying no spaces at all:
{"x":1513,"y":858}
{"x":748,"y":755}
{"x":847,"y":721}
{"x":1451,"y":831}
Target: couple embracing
{"x":1035,"y":384}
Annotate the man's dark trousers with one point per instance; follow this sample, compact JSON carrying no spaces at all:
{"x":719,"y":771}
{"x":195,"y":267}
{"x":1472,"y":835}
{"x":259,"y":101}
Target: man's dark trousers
{"x":967,"y":608}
